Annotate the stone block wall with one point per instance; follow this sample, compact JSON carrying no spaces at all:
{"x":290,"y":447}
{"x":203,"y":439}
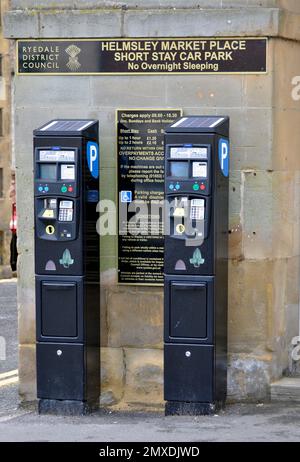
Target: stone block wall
{"x":6,"y":164}
{"x":264,"y":182}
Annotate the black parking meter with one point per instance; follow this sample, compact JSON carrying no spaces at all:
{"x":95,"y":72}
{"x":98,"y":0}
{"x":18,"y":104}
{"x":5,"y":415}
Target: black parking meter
{"x":66,"y":192}
{"x":196,"y":274}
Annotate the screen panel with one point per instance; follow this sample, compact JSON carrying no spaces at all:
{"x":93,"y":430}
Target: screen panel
{"x":179,"y":169}
{"x":47,"y":171}
{"x":67,"y":171}
{"x":56,"y":155}
{"x":199,"y":170}
{"x":190,"y":152}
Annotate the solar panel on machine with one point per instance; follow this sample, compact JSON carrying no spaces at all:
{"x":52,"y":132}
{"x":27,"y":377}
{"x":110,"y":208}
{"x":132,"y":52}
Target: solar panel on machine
{"x":198,"y":122}
{"x":66,"y":125}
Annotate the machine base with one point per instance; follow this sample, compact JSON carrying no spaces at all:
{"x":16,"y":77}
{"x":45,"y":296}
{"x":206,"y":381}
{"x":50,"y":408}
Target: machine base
{"x":66,"y":407}
{"x":189,"y":408}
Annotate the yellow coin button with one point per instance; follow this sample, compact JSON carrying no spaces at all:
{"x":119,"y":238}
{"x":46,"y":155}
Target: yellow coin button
{"x":48,"y":213}
{"x":50,"y":229}
{"x":180,"y":228}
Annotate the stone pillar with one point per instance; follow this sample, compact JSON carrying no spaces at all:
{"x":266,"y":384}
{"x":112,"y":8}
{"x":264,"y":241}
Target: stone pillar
{"x":5,"y":150}
{"x":264,"y":181}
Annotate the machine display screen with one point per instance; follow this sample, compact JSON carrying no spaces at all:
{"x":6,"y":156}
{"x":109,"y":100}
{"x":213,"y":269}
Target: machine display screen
{"x":67,"y":172}
{"x":48,"y":171}
{"x":183,"y":152}
{"x":57,"y":156}
{"x":199,"y":170}
{"x":179,"y":169}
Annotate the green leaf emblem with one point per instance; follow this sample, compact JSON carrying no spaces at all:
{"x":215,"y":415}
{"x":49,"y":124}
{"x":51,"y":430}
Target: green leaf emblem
{"x":197,"y":259}
{"x":66,"y":261}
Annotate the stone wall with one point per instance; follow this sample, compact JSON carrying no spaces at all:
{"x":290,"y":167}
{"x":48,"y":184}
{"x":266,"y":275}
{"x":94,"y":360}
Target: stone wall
{"x":264,"y":182}
{"x":5,"y":149}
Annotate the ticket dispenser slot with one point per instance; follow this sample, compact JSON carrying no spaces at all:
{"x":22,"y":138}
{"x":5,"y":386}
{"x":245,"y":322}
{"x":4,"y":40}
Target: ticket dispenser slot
{"x":189,"y":319}
{"x":178,"y":215}
{"x":188,"y":310}
{"x":59,"y":314}
{"x":59,"y":309}
{"x":189,"y":217}
{"x":66,"y":192}
{"x":49,"y":211}
{"x":57,"y":218}
{"x":195,"y":264}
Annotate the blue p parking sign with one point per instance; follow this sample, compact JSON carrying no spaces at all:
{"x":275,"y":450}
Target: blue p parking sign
{"x":92,"y":155}
{"x":224,"y":156}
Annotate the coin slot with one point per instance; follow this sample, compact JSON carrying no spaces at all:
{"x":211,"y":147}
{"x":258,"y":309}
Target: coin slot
{"x":50,"y":229}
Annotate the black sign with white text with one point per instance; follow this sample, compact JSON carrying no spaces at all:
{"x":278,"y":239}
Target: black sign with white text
{"x":142,"y":56}
{"x":140,"y":153}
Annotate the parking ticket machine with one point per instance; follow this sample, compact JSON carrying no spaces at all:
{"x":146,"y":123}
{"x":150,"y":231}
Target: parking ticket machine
{"x":195,"y":264}
{"x":66,"y":193}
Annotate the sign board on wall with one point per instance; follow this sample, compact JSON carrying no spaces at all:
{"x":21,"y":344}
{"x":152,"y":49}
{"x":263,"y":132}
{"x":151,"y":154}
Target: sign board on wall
{"x":140,"y":153}
{"x":118,"y":56}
